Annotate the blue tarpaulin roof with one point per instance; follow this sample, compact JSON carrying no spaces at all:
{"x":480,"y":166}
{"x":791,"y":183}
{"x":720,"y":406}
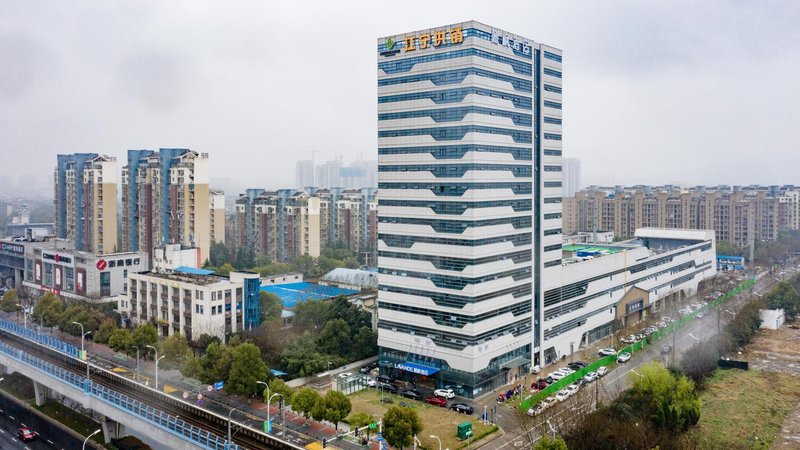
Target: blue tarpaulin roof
{"x":293,"y":293}
{"x":192,"y":270}
{"x":277,"y":373}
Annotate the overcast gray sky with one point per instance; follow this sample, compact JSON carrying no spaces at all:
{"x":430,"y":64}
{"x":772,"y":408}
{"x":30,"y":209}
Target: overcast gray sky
{"x":655,"y":92}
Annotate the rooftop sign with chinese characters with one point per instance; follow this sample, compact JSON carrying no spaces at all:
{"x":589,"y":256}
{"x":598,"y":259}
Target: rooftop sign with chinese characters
{"x":422,"y":41}
{"x":512,"y":41}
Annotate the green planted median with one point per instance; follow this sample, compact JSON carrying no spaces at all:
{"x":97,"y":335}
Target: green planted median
{"x":633,"y":348}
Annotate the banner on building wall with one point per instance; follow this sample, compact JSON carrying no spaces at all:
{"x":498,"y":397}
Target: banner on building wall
{"x":57,"y":270}
{"x":38,"y":272}
{"x":79,"y":282}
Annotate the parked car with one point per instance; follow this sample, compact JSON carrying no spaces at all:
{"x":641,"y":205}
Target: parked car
{"x":591,"y":376}
{"x":438,"y":401}
{"x":536,"y":369}
{"x":566,"y":370}
{"x":562,"y":395}
{"x":608,"y":351}
{"x":550,"y":401}
{"x":446,"y":393}
{"x":412,"y":394}
{"x":557,"y":375}
{"x":345,"y":375}
{"x":601,"y":371}
{"x":666,"y":348}
{"x":623,"y":357}
{"x":538,"y":409}
{"x":388,"y":387}
{"x":369,"y":367}
{"x":580,"y":363}
{"x":371,"y":382}
{"x":25,"y":434}
{"x":384,"y":379}
{"x":539,"y":385}
{"x":572,"y":389}
{"x":575,"y":367}
{"x":462,"y":408}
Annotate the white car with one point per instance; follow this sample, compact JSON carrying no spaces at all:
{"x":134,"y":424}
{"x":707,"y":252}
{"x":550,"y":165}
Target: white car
{"x":536,"y":410}
{"x":572,"y":389}
{"x":549,"y":401}
{"x":371,"y":382}
{"x":623,"y":357}
{"x":557,"y":375}
{"x":345,"y":375}
{"x":536,"y":369}
{"x":608,"y":351}
{"x":602,"y":370}
{"x":591,"y":376}
{"x":566,"y":370}
{"x":562,"y":395}
{"x":446,"y":393}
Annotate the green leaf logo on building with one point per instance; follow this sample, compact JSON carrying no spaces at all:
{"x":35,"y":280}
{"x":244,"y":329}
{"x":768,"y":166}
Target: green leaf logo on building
{"x":390,"y":44}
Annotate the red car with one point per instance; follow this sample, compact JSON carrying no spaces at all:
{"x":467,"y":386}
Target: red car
{"x":539,"y":385}
{"x":438,"y":401}
{"x":26,"y":434}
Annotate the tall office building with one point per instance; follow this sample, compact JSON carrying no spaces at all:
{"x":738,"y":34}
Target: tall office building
{"x":572,"y":176}
{"x":86,"y":201}
{"x":469,"y":215}
{"x":165,"y":198}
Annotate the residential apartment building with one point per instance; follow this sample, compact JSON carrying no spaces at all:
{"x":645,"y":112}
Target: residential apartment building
{"x":165,"y":198}
{"x":737,"y":214}
{"x":349,"y":217}
{"x":216,"y":216}
{"x":469,"y":172}
{"x":280,"y":225}
{"x":193,"y":302}
{"x":86,"y":201}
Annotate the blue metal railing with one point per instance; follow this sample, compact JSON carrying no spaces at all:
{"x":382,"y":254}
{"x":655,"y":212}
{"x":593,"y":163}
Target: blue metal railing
{"x":171,"y":424}
{"x":41,"y":338}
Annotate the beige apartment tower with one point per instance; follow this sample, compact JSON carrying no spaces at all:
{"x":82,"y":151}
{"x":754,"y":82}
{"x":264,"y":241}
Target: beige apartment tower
{"x":166,"y":200}
{"x":86,"y":201}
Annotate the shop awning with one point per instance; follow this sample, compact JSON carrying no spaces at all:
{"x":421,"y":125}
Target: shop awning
{"x":514,"y":363}
{"x":418,"y":369}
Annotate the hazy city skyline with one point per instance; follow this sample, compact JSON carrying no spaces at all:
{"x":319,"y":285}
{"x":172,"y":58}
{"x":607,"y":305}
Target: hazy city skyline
{"x":674,"y":92}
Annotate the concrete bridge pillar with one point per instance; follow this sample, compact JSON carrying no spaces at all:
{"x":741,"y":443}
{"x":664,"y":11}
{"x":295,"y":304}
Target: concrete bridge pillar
{"x":40,"y":392}
{"x":112,"y":429}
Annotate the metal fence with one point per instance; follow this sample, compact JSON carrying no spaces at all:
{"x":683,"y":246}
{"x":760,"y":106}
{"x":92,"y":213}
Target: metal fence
{"x":633,"y":348}
{"x":160,"y":419}
{"x":40,"y":338}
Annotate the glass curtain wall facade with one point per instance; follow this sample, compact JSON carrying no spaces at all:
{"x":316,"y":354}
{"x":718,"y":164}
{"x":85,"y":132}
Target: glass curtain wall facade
{"x":469,"y":172}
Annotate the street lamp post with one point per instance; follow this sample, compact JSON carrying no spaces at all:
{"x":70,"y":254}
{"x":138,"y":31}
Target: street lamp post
{"x":83,"y":352}
{"x":137,"y":362}
{"x":89,"y":437}
{"x":266,"y":386}
{"x":268,"y":403}
{"x":157,"y":360}
{"x":230,"y":437}
{"x":439,"y":440}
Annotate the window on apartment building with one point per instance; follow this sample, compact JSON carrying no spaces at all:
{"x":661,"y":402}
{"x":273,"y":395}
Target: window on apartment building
{"x":213,"y":297}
